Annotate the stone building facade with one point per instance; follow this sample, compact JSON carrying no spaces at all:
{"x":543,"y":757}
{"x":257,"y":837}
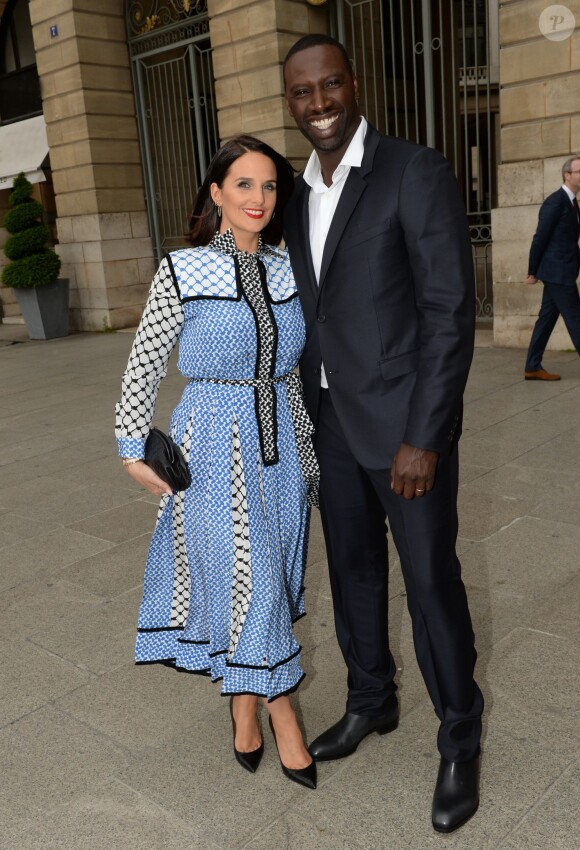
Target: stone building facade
{"x":540,"y":129}
{"x":97,"y":155}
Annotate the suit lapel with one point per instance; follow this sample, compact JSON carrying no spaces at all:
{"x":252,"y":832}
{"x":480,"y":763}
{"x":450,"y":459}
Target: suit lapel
{"x":353,"y":189}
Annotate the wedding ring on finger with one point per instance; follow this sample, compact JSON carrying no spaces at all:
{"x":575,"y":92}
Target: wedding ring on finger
{"x":420,"y":492}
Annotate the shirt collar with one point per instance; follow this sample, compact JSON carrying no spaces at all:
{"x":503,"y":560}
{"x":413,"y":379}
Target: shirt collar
{"x":569,"y":192}
{"x":352,"y":158}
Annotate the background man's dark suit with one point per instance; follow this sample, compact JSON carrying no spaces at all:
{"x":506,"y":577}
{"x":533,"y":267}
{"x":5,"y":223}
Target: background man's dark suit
{"x":392,"y":319}
{"x":555,"y":260}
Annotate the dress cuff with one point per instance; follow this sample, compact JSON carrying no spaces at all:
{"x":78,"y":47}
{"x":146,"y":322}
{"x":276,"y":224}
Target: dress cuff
{"x":131,"y":447}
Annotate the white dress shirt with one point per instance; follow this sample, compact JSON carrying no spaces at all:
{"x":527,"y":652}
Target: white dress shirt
{"x":570,"y":193}
{"x":323,"y":199}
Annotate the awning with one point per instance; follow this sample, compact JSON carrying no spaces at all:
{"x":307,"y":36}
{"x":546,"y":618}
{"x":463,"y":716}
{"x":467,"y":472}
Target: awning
{"x":23,"y":147}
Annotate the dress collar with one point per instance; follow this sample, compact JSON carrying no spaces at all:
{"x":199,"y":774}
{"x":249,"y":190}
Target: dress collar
{"x":226,"y":244}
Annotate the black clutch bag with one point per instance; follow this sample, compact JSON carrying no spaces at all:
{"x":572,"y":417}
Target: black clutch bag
{"x":166,"y":459}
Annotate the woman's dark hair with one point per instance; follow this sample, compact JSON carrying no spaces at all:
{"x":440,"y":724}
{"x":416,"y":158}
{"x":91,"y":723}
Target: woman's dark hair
{"x":204,"y":220}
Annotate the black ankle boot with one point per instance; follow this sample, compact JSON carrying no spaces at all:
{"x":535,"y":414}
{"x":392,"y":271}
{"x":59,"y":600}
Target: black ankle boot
{"x":456,"y":796}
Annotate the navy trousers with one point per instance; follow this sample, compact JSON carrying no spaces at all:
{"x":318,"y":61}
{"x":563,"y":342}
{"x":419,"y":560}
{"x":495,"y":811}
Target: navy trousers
{"x":355,"y":503}
{"x":557,"y":300}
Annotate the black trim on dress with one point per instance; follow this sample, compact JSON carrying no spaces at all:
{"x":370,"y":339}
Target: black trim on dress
{"x":265,"y":696}
{"x":211,"y":298}
{"x":197,"y":642}
{"x":173,"y":276}
{"x":286,"y":660}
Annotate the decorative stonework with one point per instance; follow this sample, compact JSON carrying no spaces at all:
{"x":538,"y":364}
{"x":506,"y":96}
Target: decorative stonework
{"x":143,"y":16}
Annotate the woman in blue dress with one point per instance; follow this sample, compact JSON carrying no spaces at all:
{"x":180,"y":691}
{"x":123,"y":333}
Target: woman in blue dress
{"x":224,"y":575}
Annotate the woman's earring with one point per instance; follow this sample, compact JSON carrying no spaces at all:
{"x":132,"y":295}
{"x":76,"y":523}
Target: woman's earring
{"x":219,"y":210}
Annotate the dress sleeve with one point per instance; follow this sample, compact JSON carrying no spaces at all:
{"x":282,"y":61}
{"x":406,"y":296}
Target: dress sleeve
{"x":155,"y":339}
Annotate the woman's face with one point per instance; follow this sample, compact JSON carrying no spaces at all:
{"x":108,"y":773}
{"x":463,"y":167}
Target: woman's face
{"x":247,"y":197}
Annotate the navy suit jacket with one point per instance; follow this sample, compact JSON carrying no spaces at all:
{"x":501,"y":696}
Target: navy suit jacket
{"x":393,"y":315}
{"x":554,"y":254}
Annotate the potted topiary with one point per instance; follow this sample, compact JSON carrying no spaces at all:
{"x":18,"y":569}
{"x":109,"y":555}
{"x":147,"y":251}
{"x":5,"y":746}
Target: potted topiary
{"x":33,"y":272}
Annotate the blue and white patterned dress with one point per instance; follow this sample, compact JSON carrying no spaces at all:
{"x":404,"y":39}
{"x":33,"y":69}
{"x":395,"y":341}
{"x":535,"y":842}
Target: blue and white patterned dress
{"x":224,"y":575}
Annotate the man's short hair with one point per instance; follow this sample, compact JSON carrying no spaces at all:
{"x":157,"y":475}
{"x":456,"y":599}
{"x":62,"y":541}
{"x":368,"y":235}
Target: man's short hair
{"x":567,"y":167}
{"x":315,"y":39}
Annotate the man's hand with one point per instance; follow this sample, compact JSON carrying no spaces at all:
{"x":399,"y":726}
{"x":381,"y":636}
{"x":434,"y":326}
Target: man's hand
{"x":531,"y":278}
{"x":413,"y":471}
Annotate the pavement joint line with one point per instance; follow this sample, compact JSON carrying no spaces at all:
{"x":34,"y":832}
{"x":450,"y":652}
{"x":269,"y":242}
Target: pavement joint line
{"x":97,"y":732}
{"x":499,"y":530}
{"x":149,"y":800}
{"x":547,"y":634}
{"x":69,"y":661}
{"x":23,"y":716}
{"x":539,"y":801}
{"x":525,"y":629}
{"x":307,"y":821}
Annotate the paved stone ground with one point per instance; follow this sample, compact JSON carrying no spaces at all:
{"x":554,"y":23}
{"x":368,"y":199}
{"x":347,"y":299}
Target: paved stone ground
{"x":97,"y":754}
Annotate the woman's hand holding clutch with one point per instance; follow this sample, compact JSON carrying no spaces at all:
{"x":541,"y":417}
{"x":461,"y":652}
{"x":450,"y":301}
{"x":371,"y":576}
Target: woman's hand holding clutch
{"x":144,"y":475}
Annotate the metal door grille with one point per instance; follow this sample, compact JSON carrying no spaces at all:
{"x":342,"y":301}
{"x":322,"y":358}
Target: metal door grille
{"x":427,"y":71}
{"x":176,"y":114}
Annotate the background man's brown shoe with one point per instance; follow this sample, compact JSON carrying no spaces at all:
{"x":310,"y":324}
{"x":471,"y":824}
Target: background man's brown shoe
{"x":541,"y":375}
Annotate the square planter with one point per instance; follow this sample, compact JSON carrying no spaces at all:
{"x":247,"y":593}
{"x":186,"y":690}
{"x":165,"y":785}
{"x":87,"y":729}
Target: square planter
{"x":45,"y":309}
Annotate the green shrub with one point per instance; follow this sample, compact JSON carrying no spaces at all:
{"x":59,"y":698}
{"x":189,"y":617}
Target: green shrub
{"x":23,"y":216}
{"x":33,"y":264}
{"x":36,"y":270}
{"x":21,"y":190}
{"x":27,"y":242}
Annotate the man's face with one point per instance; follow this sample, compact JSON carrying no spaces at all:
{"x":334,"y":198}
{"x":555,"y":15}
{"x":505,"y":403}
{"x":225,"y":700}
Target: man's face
{"x":321,"y":97}
{"x":572,"y":179}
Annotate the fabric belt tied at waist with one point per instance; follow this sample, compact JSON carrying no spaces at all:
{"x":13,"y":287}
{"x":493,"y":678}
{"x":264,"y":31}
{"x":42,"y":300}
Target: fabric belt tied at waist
{"x":265,"y":414}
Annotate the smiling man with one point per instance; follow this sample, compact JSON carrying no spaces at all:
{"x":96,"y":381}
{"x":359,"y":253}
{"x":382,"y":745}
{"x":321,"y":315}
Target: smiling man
{"x":379,"y":245}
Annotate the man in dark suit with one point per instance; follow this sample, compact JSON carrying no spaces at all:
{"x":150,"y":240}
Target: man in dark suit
{"x":379,"y":244}
{"x":555,"y":260}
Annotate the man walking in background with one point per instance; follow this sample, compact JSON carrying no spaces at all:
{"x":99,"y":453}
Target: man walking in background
{"x":379,"y":244}
{"x":555,"y":260}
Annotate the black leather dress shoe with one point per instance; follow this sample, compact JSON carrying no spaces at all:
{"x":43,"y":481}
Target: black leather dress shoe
{"x":456,"y":796}
{"x":343,"y":738}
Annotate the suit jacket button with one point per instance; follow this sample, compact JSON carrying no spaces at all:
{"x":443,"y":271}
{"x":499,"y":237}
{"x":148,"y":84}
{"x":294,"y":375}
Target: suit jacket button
{"x":321,"y":319}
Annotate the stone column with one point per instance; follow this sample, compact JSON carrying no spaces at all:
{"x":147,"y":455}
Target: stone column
{"x":89,"y":109}
{"x":250,"y":40}
{"x":540,"y":129}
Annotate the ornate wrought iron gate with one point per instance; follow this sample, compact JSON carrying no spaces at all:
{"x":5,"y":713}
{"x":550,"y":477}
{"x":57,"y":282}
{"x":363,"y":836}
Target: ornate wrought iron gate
{"x":173,"y":79}
{"x":428,"y":71}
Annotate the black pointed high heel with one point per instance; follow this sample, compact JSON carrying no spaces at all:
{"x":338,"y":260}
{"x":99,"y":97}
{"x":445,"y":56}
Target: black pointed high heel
{"x":305,"y":776}
{"x":251,"y":760}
